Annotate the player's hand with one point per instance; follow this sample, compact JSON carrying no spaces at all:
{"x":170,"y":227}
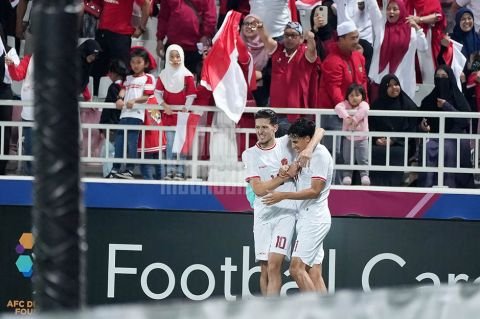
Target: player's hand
{"x":293,"y":170}
{"x":283,"y":171}
{"x":272,"y":198}
{"x":304,"y":158}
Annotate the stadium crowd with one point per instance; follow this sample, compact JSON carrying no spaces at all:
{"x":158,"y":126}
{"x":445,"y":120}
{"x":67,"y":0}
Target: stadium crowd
{"x":350,"y":56}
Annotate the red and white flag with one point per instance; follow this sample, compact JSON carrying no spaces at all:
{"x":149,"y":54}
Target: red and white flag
{"x":458,"y":62}
{"x":221,"y":73}
{"x":185,"y":132}
{"x":454,"y":57}
{"x":14,"y":3}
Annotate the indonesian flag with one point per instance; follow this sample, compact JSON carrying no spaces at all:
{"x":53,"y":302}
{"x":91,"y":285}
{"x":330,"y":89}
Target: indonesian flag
{"x":185,"y":132}
{"x":14,"y":3}
{"x":455,"y":58}
{"x":221,"y":72}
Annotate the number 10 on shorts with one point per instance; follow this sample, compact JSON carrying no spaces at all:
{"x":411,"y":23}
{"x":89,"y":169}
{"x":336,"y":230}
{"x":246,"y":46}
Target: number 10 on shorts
{"x":281,"y":242}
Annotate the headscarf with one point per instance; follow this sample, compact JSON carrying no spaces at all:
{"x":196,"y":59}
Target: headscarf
{"x":470,"y":39}
{"x":85,"y":49}
{"x":400,"y":103}
{"x":447,"y":89}
{"x":173,"y":79}
{"x":256,"y":47}
{"x":395,"y":41}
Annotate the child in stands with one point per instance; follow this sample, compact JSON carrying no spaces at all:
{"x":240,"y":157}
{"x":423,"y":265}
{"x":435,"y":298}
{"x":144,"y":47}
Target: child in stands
{"x":175,"y":86}
{"x":137,"y":88}
{"x":357,"y":122}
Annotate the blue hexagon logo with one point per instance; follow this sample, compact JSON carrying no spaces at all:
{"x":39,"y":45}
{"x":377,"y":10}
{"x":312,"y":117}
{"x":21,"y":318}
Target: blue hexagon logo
{"x":24,"y":265}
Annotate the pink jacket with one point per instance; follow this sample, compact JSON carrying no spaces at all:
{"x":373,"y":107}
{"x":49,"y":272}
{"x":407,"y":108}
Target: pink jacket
{"x":360,"y":118}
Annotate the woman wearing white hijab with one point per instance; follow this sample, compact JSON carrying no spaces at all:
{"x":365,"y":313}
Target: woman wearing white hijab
{"x":175,"y":86}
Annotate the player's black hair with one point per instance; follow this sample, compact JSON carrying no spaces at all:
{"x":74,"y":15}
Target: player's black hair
{"x":301,"y":128}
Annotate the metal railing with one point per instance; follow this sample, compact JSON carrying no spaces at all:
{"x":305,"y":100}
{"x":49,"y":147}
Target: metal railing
{"x":200,"y":161}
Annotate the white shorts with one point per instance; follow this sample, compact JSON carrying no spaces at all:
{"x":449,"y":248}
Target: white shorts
{"x":274,"y":236}
{"x":309,"y":244}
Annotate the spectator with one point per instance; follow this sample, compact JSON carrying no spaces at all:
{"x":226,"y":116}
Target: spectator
{"x":5,"y":94}
{"x":474,"y":80}
{"x":473,"y":6}
{"x":117,"y":73}
{"x":429,"y":15}
{"x":114,"y":33}
{"x":358,"y":12}
{"x":391,"y":97}
{"x":138,"y":87}
{"x":292,"y":65}
{"x":24,"y":26}
{"x":187,"y":23}
{"x":446,"y":97}
{"x":358,"y":122}
{"x":8,"y":18}
{"x":342,"y":67}
{"x":325,"y":34}
{"x":88,"y":52}
{"x":260,"y":56}
{"x":464,"y":32}
{"x":150,"y":145}
{"x":395,"y":45}
{"x":24,"y":72}
{"x":175,"y":86}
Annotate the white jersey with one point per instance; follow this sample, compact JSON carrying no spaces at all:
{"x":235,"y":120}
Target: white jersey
{"x":264,"y":164}
{"x":135,"y":87}
{"x":321,"y":167}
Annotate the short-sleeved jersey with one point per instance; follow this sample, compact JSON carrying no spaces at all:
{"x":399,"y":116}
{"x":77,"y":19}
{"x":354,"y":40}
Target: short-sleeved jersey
{"x":321,"y":167}
{"x":264,"y":164}
{"x":135,"y":87}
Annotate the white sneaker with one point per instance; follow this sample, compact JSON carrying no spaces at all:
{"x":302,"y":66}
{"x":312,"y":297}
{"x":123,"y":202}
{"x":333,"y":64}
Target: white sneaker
{"x":347,"y":180}
{"x":365,"y":180}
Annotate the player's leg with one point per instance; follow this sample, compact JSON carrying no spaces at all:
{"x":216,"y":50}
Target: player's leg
{"x":280,"y":242}
{"x":261,"y":235}
{"x":315,"y":274}
{"x":263,"y":277}
{"x":275,"y":262}
{"x":298,"y":271}
{"x":307,"y":251}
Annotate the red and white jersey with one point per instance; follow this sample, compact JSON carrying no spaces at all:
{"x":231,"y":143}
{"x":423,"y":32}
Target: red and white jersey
{"x":264,"y":164}
{"x":135,"y":87}
{"x":321,"y":167}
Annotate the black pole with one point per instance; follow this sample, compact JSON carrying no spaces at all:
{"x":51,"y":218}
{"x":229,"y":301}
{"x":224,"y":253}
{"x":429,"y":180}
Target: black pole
{"x":58,"y":215}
